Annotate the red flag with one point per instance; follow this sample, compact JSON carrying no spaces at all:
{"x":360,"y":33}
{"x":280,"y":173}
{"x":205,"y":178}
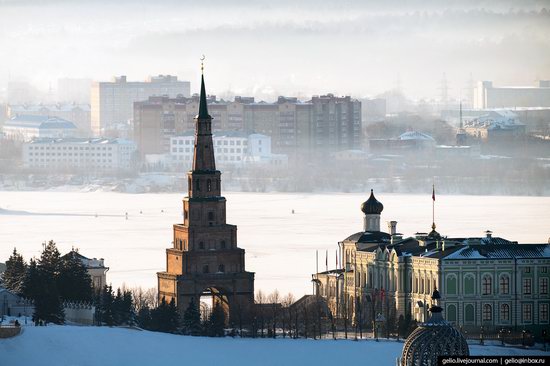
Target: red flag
{"x":433,"y":192}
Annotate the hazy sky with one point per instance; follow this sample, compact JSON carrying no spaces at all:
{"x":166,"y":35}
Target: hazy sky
{"x":280,"y":47}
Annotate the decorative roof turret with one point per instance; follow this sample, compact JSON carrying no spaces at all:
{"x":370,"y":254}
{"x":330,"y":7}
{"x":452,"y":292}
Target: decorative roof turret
{"x":372,"y":206}
{"x":432,"y":339}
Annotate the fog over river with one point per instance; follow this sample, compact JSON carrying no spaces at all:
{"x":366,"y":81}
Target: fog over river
{"x":280,"y":246}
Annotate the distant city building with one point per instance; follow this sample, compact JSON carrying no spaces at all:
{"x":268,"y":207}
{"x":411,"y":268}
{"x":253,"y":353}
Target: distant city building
{"x":488,"y":96}
{"x":485,"y":281}
{"x":324,"y":124}
{"x":156,"y":120}
{"x":113,"y":102}
{"x":26,"y":128}
{"x":231,"y":148}
{"x":96,"y":154}
{"x":495,"y":126}
{"x":79,"y":114}
{"x":95,"y":267}
{"x":410,"y":140}
{"x":71,"y":90}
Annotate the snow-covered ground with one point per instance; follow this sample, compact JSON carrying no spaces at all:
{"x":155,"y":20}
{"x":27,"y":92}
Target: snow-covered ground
{"x":280,"y":246}
{"x":92,"y":346}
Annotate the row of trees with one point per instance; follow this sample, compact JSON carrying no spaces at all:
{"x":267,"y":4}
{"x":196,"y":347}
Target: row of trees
{"x":48,"y":281}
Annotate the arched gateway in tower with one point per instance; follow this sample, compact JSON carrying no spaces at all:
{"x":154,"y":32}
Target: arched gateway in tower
{"x":204,"y":258}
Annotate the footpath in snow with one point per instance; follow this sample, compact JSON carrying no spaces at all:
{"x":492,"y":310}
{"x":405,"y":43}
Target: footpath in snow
{"x":103,"y":346}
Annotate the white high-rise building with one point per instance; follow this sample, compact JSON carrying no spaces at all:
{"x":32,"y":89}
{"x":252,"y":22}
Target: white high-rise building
{"x":113,"y":102}
{"x":488,"y":96}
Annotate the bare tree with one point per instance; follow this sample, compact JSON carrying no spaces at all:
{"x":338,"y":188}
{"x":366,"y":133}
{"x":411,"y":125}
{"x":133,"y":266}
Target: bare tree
{"x":287,"y":316}
{"x":274,"y":299}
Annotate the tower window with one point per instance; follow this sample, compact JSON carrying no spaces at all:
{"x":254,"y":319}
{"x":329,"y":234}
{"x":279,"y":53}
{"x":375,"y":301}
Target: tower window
{"x":222,"y":244}
{"x":205,"y":269}
{"x":198,"y":185}
{"x":201,"y":245}
{"x":210,"y":216}
{"x":209,"y":185}
{"x":221,"y":268}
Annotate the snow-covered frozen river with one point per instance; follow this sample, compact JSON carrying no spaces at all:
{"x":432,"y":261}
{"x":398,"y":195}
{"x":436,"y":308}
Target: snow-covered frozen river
{"x":280,"y":246}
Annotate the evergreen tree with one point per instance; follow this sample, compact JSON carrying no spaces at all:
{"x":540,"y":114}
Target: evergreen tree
{"x":192,"y":319}
{"x":50,"y":260}
{"x":47,"y":303}
{"x":31,"y":283}
{"x":74,"y":282}
{"x":13,"y":277}
{"x":217,"y":321}
{"x":144,"y":318}
{"x":165,"y":317}
{"x":106,"y":306}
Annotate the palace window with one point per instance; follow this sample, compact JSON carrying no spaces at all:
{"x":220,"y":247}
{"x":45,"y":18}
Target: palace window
{"x":486,"y":285}
{"x":469,"y":313}
{"x":469,"y":286}
{"x":487,"y":312}
{"x":221,"y":268}
{"x":201,"y":245}
{"x":543,"y":312}
{"x":222,"y":244}
{"x":210,"y":216}
{"x":504,"y":284}
{"x":527,"y":312}
{"x":451,"y":313}
{"x":451,"y":285}
{"x":504,"y":313}
{"x":544,"y":269}
{"x":527,"y":270}
{"x":205,"y":269}
{"x":527,"y":286}
{"x":543,"y":285}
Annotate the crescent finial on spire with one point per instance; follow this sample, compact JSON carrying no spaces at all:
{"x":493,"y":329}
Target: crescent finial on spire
{"x":202,"y":63}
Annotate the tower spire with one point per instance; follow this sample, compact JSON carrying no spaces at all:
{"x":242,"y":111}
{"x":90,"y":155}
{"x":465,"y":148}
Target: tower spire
{"x":203,"y":107}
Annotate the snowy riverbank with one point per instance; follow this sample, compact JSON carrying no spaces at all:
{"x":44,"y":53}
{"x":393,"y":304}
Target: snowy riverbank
{"x":87,"y":346}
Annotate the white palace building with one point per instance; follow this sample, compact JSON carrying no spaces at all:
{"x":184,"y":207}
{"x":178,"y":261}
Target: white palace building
{"x":487,"y":281}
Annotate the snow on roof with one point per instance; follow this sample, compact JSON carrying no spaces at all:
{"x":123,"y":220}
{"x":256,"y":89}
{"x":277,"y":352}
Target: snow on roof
{"x":22,"y":108}
{"x":40,"y":122}
{"x":501,"y":251}
{"x":83,"y":141}
{"x":415,"y":135}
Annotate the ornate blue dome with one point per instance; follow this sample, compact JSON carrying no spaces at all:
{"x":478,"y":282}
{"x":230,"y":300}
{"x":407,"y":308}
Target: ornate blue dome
{"x":372,"y":206}
{"x":434,"y":338}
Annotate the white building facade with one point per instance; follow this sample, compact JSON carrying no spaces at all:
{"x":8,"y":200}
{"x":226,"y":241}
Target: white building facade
{"x":96,"y":154}
{"x":232,"y":148}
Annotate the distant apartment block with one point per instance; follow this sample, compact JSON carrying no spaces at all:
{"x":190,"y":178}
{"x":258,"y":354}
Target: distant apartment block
{"x":79,"y":114}
{"x":495,"y":126}
{"x":323,"y":124}
{"x":231,"y":148}
{"x":113,"y":102}
{"x":26,"y":128}
{"x":488,"y":96}
{"x":79,"y":154}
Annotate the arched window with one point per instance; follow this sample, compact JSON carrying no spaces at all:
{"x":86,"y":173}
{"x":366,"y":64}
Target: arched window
{"x":221,"y":268}
{"x":184,"y":244}
{"x":210,"y":216}
{"x":504,"y":313}
{"x":451,"y":285}
{"x":222,"y":244}
{"x":504,"y":285}
{"x":205,"y":269}
{"x":198,"y":185}
{"x":469,"y":313}
{"x":208,"y":185}
{"x":201,"y":245}
{"x":218,"y":184}
{"x":487,"y":312}
{"x":469,"y":285}
{"x":486,"y":283}
{"x":451,"y":313}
